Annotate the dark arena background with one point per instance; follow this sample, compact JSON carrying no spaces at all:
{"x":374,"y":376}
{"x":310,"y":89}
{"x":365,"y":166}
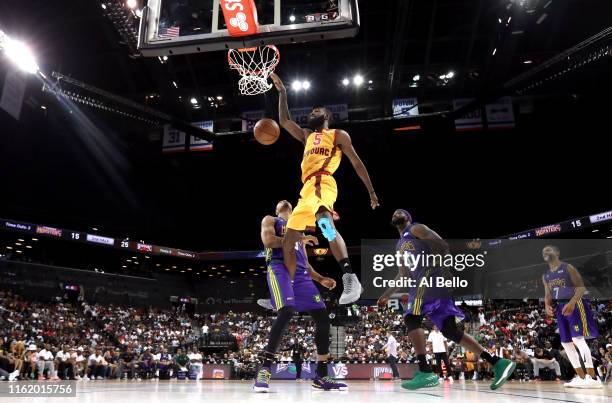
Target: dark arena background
{"x":132,"y":249}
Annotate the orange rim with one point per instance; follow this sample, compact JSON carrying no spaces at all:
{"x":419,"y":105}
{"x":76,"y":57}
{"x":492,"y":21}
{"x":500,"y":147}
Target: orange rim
{"x":252,"y":49}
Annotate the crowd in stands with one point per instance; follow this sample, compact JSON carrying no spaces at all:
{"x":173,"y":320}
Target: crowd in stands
{"x":61,"y":339}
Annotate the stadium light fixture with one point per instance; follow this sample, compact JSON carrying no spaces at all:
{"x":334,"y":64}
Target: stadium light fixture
{"x":18,"y":53}
{"x":417,"y":77}
{"x":450,"y":74}
{"x":358,"y":80}
{"x":345,"y":82}
{"x":305,"y":85}
{"x":132,"y":4}
{"x":296,"y":85}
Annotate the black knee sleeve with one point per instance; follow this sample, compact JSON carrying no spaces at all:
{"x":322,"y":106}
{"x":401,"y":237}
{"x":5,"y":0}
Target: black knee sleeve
{"x":412,"y":322}
{"x":321,"y":319}
{"x":450,"y":330}
{"x":283,"y":317}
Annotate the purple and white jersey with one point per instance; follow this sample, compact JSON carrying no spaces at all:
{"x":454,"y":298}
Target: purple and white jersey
{"x":280,"y":227}
{"x":559,"y":282}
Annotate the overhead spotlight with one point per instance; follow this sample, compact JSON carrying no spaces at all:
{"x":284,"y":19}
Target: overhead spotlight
{"x":219,"y":98}
{"x":164,"y":58}
{"x":194,"y":101}
{"x":494,"y":51}
{"x":370,"y":81}
{"x":292,"y":18}
{"x":132,"y":4}
{"x":527,"y":62}
{"x":345,"y":82}
{"x":305,"y":85}
{"x":103,"y":6}
{"x":358,"y":80}
{"x":175,"y":84}
{"x":416,"y":78}
{"x":442,"y":77}
{"x":450,"y":74}
{"x":296,"y":85}
{"x":19,"y":54}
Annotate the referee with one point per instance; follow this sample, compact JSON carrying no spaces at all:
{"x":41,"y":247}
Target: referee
{"x":440,"y":349}
{"x":391,"y":348}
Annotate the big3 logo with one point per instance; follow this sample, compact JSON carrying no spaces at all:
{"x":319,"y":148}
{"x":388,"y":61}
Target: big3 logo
{"x":240,"y":17}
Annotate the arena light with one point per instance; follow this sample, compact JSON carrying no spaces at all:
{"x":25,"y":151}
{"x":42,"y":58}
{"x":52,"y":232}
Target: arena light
{"x":358,"y":80}
{"x":194,"y":101}
{"x":305,"y":85}
{"x":450,"y":74}
{"x":296,"y":85}
{"x":132,"y":4}
{"x":417,"y":77}
{"x":292,"y":18}
{"x":219,"y":98}
{"x":18,"y":53}
{"x":345,"y":82}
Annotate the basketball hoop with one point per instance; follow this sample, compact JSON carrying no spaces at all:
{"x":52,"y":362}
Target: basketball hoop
{"x":255,"y":66}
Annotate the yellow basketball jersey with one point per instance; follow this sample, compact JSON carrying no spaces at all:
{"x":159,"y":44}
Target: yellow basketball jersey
{"x":321,"y":155}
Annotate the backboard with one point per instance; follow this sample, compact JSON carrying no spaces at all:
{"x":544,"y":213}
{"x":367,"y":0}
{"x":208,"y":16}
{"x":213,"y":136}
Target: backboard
{"x":171,"y":27}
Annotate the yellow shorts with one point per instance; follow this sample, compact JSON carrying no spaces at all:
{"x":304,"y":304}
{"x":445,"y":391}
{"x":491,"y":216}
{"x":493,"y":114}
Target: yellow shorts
{"x":318,"y":191}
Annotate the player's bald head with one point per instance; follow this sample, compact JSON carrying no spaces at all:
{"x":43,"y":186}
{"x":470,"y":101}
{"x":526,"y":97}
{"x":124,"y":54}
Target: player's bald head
{"x":283,"y":206}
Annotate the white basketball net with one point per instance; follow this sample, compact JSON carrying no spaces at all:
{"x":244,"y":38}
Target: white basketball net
{"x":255,"y":66}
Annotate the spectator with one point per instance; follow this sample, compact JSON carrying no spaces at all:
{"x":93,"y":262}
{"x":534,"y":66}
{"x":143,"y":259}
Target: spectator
{"x":543,"y":359}
{"x":45,"y":363}
{"x":391,"y":348}
{"x":97,"y":365}
{"x":439,"y":347}
{"x":127,"y":361}
{"x":111,"y":357}
{"x":195,"y":364}
{"x":65,"y":363}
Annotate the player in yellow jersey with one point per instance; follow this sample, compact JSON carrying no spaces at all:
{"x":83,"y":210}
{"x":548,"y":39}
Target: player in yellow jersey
{"x":323,"y":149}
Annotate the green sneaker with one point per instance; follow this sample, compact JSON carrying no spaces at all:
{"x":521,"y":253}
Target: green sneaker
{"x":502,"y":370}
{"x":421,"y":380}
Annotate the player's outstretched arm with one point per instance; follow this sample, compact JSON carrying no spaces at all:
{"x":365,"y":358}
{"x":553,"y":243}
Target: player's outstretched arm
{"x":343,"y":141}
{"x":268,"y":234}
{"x":284,"y":116}
{"x":423,"y":232}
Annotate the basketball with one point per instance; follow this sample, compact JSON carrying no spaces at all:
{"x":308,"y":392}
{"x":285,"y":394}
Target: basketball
{"x":266,"y":131}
